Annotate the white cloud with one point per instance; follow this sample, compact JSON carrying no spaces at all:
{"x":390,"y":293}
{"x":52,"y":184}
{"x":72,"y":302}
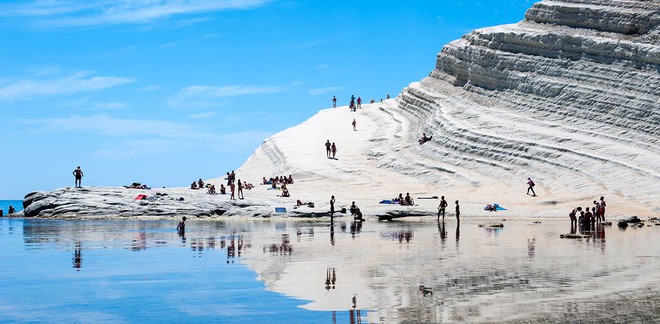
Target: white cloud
{"x":208,"y":96}
{"x":203,"y":115}
{"x":109,"y":105}
{"x":149,"y":88}
{"x":226,"y":91}
{"x":130,"y":138}
{"x":320,"y":91}
{"x":83,"y":81}
{"x":114,"y":12}
{"x":110,"y":126}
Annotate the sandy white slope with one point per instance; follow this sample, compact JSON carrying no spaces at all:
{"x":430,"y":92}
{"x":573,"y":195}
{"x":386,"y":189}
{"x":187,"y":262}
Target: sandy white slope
{"x":571,"y":102}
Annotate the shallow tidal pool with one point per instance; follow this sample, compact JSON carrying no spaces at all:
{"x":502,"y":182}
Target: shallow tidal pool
{"x":284,"y":271}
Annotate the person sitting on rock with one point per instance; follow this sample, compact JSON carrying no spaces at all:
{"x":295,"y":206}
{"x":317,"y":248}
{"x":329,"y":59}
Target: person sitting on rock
{"x":193,"y":185}
{"x":223,"y":190}
{"x":290,"y":180}
{"x":353,"y":208}
{"x":200,"y":184}
{"x":11,"y":210}
{"x":285,"y":192}
{"x":408,"y":200}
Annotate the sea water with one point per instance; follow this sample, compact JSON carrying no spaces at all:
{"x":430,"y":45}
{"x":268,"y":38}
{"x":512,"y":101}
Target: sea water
{"x":133,"y":271}
{"x":283,"y":271}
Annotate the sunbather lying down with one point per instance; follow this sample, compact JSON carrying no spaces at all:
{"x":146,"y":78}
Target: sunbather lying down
{"x":137,"y":185}
{"x":301,"y":203}
{"x":425,"y":139}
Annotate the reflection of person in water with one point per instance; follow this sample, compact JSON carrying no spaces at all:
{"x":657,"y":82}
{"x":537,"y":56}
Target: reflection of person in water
{"x":327,"y":279}
{"x":77,"y":256}
{"x":334,"y":278}
{"x":443,"y":231}
{"x":531,"y":247}
{"x":231,"y":251}
{"x":332,"y":232}
{"x":458,"y":232}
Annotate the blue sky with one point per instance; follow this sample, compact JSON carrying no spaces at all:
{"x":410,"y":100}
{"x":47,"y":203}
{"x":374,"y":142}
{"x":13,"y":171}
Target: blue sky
{"x":164,"y":92}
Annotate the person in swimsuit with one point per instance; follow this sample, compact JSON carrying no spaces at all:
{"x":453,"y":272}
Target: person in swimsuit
{"x":327,"y":148}
{"x":334,"y":150}
{"x":442,"y":207}
{"x":240,"y":190}
{"x":181,"y":228}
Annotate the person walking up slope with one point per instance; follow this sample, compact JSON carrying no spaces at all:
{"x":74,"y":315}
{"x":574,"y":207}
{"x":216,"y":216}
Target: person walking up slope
{"x":530,"y":187}
{"x":327,"y":149}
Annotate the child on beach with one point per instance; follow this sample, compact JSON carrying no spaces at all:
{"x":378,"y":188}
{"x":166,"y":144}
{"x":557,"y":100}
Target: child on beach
{"x":334,"y":150}
{"x":240,"y":190}
{"x":354,"y":125}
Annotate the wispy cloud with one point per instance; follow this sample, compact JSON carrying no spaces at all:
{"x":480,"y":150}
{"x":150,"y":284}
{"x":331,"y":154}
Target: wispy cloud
{"x":83,"y":81}
{"x":115,"y":12}
{"x":143,"y":137}
{"x":203,"y":115}
{"x":320,"y":91}
{"x":149,"y":88}
{"x":208,"y":96}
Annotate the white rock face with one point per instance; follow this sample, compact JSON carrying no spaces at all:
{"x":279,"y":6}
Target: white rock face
{"x":569,"y":97}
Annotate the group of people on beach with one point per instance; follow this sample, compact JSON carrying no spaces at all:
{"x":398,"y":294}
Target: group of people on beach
{"x":277,"y":180}
{"x":404,"y":201}
{"x":355,"y":103}
{"x":588,"y":217}
{"x":282,"y":181}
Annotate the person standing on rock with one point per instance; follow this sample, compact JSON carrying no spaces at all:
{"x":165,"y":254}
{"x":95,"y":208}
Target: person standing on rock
{"x":240,"y":190}
{"x":354,"y":125}
{"x":601,"y":208}
{"x":232,"y":187}
{"x":458,"y":212}
{"x":530,"y":185}
{"x":442,"y":207}
{"x":334,"y":102}
{"x":359,"y":103}
{"x":327,"y":149}
{"x":334,"y":151}
{"x":78,"y":174}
